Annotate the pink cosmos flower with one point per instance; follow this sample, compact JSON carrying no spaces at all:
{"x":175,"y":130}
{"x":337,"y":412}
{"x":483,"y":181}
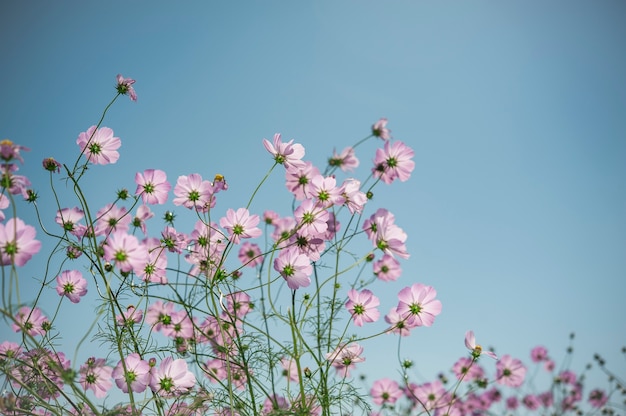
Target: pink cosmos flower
{"x":133,"y":373}
{"x":353,"y":198}
{"x":143,"y":214}
{"x":325,"y":190}
{"x":344,"y":358}
{"x":68,"y":219}
{"x":181,"y":325}
{"x":160,"y":315}
{"x":311,"y":218}
{"x":362,"y":306}
{"x":346,"y":160}
{"x":510,"y":371}
{"x":290,"y":369}
{"x":125,"y":251}
{"x":72,"y":284}
{"x":130,"y":317}
{"x":172,"y":378}
{"x":431,"y":396}
{"x":398,"y":323}
{"x":598,"y":398}
{"x":96,"y":375}
{"x":51,"y":165}
{"x":99,"y":145}
{"x":379,"y":129}
{"x":17,"y":242}
{"x":125,"y":86}
{"x":112,"y":218}
{"x":385,"y":391}
{"x":250,"y":254}
{"x":10,"y":151}
{"x":153,"y":186}
{"x":387,"y":268}
{"x":385,"y":234}
{"x":294,"y":267}
{"x":270,"y":217}
{"x":298,"y":179}
{"x":238,"y":304}
{"x":275,"y":405}
{"x":240,"y":224}
{"x":153,"y":268}
{"x":467,"y":369}
{"x":393,"y":162}
{"x":9,"y":350}
{"x":194,"y":193}
{"x":31,"y":321}
{"x":174,"y":241}
{"x":418,"y":305}
{"x":531,"y":402}
{"x":538,"y":354}
{"x":286,"y":154}
{"x":477,"y":350}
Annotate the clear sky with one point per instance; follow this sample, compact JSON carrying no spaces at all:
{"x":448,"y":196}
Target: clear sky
{"x":516,"y":211}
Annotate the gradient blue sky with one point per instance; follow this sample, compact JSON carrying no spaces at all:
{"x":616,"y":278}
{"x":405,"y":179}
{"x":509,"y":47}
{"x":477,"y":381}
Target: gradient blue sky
{"x":516,"y":211}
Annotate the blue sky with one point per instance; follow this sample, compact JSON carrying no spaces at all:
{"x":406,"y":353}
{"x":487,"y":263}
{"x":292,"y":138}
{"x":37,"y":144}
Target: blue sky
{"x":515,"y":110}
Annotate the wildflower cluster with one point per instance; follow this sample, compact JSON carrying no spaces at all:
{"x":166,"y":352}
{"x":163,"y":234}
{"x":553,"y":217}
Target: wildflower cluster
{"x":234,"y":312}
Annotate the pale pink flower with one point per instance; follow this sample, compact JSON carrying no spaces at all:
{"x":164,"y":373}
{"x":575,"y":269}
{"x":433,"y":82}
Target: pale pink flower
{"x":133,"y":373}
{"x":240,"y":224}
{"x":311,"y":218}
{"x":294,"y":267}
{"x":344,"y":358}
{"x":362,"y":306}
{"x":538,"y":354}
{"x":181,"y":326}
{"x":159,"y":315}
{"x":193,"y":192}
{"x":270,"y":217}
{"x":130,"y":317}
{"x":346,"y":160}
{"x":379,"y":129}
{"x":290,"y":368}
{"x":531,"y":402}
{"x":310,"y":246}
{"x":598,"y":398}
{"x":238,"y":304}
{"x":250,"y":254}
{"x":418,"y":305}
{"x":393,"y":161}
{"x":477,"y":350}
{"x":72,"y":284}
{"x":298,"y":179}
{"x":31,"y":321}
{"x":10,"y":151}
{"x":325,"y":190}
{"x":68,"y":219}
{"x":153,"y":268}
{"x":354,"y":199}
{"x":387,"y":268}
{"x":214,"y":370}
{"x":467,"y":369}
{"x":286,"y":154}
{"x":125,"y":251}
{"x":99,"y":146}
{"x":9,"y":350}
{"x":398,"y":323}
{"x":431,"y":395}
{"x":172,"y":378}
{"x":275,"y":405}
{"x":510,"y":371}
{"x":16,"y":184}
{"x":385,"y":391}
{"x":96,"y":375}
{"x":174,"y":241}
{"x":17,"y":243}
{"x":125,"y":87}
{"x":51,"y":165}
{"x":143,"y":214}
{"x":284,"y":228}
{"x":110,"y":219}
{"x":153,"y":186}
{"x":385,"y":234}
